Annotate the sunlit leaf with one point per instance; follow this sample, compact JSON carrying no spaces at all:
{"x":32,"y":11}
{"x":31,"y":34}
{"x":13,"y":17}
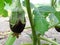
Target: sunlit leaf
{"x":40,"y":23}
{"x":59,"y":2}
{"x":2,"y":11}
{"x":8,"y":1}
{"x":57,"y":14}
{"x":46,"y":9}
{"x":53,"y":20}
{"x":7,"y":7}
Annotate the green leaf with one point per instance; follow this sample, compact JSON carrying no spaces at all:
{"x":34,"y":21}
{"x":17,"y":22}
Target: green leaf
{"x":8,"y":1}
{"x":46,"y":9}
{"x":46,"y":14}
{"x":53,"y":20}
{"x":40,"y":23}
{"x":57,"y":14}
{"x":7,"y":7}
{"x":2,"y":11}
{"x":59,"y":2}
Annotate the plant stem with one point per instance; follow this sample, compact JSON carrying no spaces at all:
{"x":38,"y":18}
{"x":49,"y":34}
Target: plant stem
{"x":53,"y":3}
{"x":27,"y":27}
{"x":31,"y":21}
{"x":10,"y":40}
{"x":38,"y":39}
{"x":49,"y":40}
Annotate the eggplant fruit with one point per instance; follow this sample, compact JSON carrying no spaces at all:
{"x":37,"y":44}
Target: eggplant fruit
{"x":57,"y":28}
{"x":18,"y":27}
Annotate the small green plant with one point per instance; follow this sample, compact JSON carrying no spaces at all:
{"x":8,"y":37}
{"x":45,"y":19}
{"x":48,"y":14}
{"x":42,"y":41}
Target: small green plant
{"x":37,"y":17}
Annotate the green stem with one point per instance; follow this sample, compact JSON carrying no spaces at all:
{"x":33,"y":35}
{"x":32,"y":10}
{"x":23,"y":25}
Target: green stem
{"x":49,"y":40}
{"x":53,"y":3}
{"x":27,"y":27}
{"x":38,"y":39}
{"x":10,"y":40}
{"x":31,"y":21}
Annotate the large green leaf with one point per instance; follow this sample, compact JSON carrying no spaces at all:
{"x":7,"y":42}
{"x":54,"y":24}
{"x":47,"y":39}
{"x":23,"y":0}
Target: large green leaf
{"x":46,"y":10}
{"x":40,"y":23}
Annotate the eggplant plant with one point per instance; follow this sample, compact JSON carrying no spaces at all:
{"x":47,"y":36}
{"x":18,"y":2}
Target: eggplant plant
{"x":37,"y":17}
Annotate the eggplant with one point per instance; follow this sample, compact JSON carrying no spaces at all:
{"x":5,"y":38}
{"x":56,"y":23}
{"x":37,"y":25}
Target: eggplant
{"x":17,"y":19}
{"x":57,"y":28}
{"x":17,"y":28}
